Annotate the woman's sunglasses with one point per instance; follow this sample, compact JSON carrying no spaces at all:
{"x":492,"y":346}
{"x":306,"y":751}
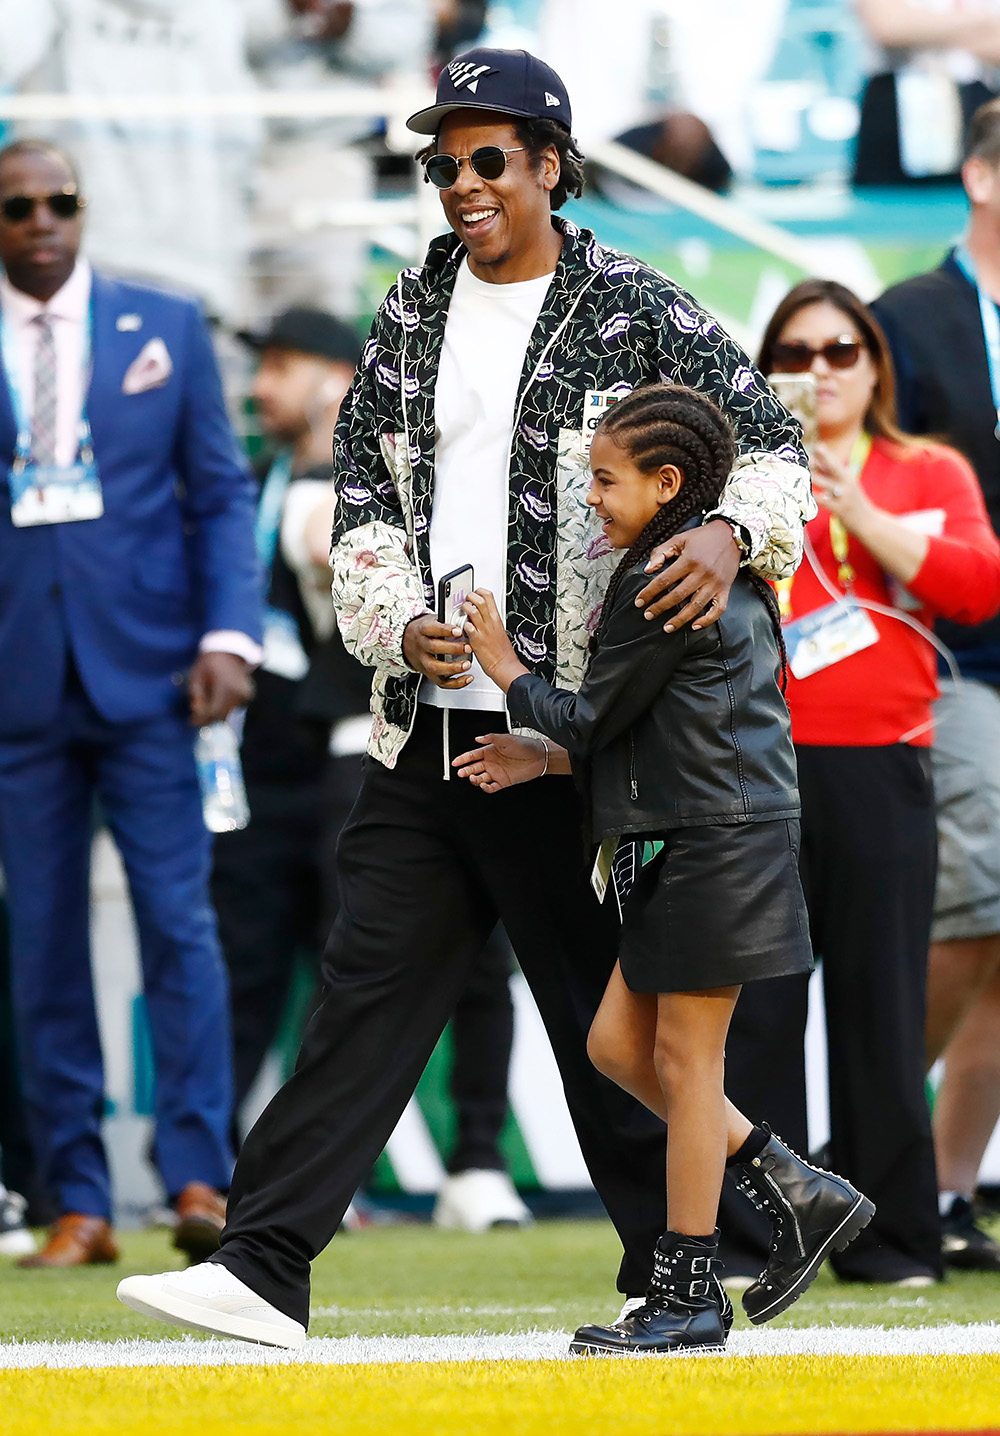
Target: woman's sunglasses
{"x":16,"y":208}
{"x":489,"y":163}
{"x":796,"y":357}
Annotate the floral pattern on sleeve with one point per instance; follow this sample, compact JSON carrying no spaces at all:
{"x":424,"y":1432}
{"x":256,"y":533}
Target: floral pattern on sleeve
{"x":772,"y":498}
{"x":376,"y":593}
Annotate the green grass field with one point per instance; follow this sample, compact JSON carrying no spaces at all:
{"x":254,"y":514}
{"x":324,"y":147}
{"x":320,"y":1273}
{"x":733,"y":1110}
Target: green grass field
{"x":415,"y":1280}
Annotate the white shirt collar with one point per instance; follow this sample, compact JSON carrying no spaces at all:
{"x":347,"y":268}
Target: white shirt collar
{"x":70,"y":302}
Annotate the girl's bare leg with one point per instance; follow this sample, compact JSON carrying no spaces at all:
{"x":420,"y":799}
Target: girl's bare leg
{"x":690,"y":1060}
{"x":622,"y":1043}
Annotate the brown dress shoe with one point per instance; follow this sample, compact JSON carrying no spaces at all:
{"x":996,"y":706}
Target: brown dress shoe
{"x":76,"y":1240}
{"x":201,"y":1215}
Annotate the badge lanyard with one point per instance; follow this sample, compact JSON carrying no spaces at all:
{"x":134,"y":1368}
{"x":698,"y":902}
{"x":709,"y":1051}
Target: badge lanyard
{"x":991,"y":327}
{"x":267,"y":524}
{"x":85,"y":439}
{"x":839,"y":538}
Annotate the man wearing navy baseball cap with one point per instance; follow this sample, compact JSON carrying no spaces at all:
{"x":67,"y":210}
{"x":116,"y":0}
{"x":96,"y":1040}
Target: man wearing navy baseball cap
{"x":506,"y":82}
{"x":464,"y":443}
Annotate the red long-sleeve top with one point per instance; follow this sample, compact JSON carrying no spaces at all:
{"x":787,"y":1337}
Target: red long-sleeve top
{"x":884,"y":693}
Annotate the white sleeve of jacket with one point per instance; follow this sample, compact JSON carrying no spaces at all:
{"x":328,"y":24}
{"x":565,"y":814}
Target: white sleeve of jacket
{"x":772,"y":498}
{"x":376,"y":592}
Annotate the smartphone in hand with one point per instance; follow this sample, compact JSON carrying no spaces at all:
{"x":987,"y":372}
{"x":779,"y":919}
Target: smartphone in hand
{"x":453,"y":589}
{"x":798,"y":394}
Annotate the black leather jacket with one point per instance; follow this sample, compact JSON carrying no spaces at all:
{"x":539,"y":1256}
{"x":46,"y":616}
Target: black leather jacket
{"x":674,"y":730}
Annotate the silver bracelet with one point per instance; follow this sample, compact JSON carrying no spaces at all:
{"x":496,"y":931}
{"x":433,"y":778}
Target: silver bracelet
{"x":547,"y":751}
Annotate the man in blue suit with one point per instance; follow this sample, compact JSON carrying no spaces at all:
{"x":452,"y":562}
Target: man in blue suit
{"x":129,"y":616}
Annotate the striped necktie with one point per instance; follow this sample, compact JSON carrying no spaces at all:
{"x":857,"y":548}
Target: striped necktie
{"x":43,"y":417}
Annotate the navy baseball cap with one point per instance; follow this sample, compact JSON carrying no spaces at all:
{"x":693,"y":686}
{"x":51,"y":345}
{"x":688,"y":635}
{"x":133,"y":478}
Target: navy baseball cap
{"x":508,"y":82}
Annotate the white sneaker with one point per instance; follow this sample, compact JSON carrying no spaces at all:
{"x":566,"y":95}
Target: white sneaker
{"x":210,"y":1298}
{"x":477,"y":1200}
{"x":632,"y":1303}
{"x":15,"y":1238}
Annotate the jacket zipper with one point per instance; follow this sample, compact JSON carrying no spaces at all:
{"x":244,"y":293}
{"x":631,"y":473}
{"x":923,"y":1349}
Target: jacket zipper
{"x":631,"y":768}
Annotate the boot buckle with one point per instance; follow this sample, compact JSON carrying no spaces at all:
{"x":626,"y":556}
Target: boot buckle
{"x":702,"y":1265}
{"x":699,"y":1288}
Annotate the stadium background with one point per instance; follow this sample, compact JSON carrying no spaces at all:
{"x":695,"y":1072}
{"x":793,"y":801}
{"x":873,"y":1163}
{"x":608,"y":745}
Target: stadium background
{"x":844,"y":1359}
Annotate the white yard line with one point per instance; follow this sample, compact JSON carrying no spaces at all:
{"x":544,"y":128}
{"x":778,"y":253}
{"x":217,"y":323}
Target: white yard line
{"x":951,"y":1340}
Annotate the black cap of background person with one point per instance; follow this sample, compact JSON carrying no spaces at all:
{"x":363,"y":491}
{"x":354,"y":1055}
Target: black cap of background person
{"x":508,"y":82}
{"x":307,"y":331}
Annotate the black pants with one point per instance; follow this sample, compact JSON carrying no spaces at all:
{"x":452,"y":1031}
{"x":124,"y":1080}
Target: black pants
{"x":869,"y":853}
{"x":275,"y":890}
{"x":426,"y":869}
{"x":482,"y":1033}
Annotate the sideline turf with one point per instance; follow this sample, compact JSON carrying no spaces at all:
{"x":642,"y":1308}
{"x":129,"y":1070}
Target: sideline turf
{"x":688,"y":1397}
{"x":416,"y":1280}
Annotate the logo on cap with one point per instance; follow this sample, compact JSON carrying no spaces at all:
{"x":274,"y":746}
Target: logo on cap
{"x":551,"y":99}
{"x":464,"y":75}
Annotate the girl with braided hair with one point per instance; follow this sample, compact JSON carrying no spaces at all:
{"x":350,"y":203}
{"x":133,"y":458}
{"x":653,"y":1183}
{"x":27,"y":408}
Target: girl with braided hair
{"x":681,"y":741}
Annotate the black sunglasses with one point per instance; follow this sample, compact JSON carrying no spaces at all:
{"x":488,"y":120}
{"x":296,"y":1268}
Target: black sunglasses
{"x":489,"y":163}
{"x":16,"y":208}
{"x":796,"y":357}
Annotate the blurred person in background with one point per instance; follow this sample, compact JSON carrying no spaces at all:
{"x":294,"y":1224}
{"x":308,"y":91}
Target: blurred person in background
{"x":169,"y":193}
{"x":459,"y":24}
{"x":309,"y":165}
{"x":931,"y":64}
{"x":672,"y":129}
{"x":944,"y":331}
{"x":274,"y":882}
{"x":24,"y":1204}
{"x":131,"y":611}
{"x":902,"y":525}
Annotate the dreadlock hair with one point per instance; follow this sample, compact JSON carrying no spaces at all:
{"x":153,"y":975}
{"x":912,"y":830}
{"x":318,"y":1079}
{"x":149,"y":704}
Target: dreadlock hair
{"x":537,"y":135}
{"x":661,"y":424}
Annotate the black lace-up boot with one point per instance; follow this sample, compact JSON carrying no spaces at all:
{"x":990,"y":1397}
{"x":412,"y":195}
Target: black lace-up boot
{"x":686,"y":1308}
{"x":812,"y":1213}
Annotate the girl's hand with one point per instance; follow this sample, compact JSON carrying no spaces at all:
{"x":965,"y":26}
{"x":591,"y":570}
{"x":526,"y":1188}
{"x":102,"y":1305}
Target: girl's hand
{"x":837,"y":487}
{"x":488,"y":639}
{"x":502,"y":762}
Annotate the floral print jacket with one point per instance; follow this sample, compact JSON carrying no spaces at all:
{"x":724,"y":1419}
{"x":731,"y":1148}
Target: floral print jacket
{"x":608,"y":324}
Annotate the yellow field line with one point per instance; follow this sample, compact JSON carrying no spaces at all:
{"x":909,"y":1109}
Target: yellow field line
{"x":738,"y":1396}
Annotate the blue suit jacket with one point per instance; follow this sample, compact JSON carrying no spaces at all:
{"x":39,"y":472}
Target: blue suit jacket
{"x":131,"y":594}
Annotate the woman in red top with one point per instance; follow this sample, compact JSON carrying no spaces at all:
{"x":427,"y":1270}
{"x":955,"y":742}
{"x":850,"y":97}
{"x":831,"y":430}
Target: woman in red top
{"x":901,"y":526}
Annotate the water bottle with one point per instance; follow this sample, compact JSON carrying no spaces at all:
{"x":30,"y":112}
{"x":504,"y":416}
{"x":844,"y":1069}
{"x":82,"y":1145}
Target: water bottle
{"x":220,"y":773}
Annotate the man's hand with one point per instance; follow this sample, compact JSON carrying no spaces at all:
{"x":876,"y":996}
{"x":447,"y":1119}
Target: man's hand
{"x":503,"y":761}
{"x":701,"y":564}
{"x":424,"y":639}
{"x":218,"y":683}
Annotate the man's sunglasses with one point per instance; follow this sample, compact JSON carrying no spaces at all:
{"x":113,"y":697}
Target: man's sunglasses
{"x":16,"y":208}
{"x":796,"y":357}
{"x":489,"y":163}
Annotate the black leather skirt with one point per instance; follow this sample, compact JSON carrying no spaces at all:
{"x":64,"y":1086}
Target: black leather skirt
{"x":718,"y":906}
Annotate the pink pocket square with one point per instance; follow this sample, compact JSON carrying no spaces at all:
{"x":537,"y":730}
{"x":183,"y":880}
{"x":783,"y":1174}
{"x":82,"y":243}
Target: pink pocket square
{"x":150,"y":369}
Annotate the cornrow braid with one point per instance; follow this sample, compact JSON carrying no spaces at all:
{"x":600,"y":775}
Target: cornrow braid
{"x":661,"y":424}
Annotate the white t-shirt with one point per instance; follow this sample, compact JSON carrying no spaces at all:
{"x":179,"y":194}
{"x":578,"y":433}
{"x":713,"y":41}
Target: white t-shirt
{"x":485,"y":340}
